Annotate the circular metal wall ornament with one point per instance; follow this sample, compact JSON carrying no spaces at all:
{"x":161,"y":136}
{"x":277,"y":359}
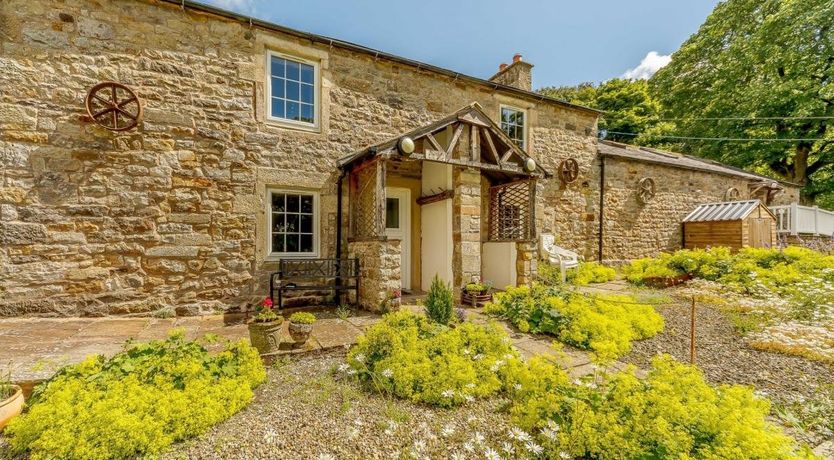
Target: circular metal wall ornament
{"x":646,"y":190}
{"x":568,"y":170}
{"x":113,"y":106}
{"x":732,"y":194}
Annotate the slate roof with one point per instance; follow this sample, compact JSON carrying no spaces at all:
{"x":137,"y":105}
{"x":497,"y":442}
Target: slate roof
{"x":730,"y":210}
{"x":680,"y":160}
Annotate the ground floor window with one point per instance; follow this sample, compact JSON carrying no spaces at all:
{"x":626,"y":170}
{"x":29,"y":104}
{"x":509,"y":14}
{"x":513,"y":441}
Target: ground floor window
{"x":293,"y":223}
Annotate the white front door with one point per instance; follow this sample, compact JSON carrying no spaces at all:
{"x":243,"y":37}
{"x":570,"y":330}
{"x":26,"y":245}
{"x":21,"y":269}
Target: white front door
{"x":398,"y":227}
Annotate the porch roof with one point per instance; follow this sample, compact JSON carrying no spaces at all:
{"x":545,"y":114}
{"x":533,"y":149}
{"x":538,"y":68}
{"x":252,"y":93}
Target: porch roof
{"x":502,"y":154}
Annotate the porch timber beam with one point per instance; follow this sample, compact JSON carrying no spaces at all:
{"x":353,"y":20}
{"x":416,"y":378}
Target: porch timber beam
{"x":379,"y":216}
{"x":474,"y":143}
{"x":491,"y":145}
{"x":432,"y":155}
{"x":434,"y":142}
{"x":454,"y":141}
{"x":507,"y":155}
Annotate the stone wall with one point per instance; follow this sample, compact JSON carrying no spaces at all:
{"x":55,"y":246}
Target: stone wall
{"x":466,"y":226}
{"x":633,"y":229}
{"x":173,"y":213}
{"x":379,"y":266}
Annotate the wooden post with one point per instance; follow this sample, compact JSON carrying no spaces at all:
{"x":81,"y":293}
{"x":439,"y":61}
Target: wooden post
{"x":692,"y":334}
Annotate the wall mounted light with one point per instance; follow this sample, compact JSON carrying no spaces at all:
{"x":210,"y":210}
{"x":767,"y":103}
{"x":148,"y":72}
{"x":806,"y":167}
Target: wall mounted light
{"x":530,"y":165}
{"x":405,"y":146}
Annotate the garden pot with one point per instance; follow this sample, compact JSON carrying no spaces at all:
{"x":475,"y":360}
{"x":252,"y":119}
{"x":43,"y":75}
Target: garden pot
{"x":475,"y":299}
{"x":663,"y":282}
{"x":266,"y":337}
{"x":11,"y":407}
{"x":300,"y":332}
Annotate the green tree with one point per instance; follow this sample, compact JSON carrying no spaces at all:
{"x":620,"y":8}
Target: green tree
{"x":628,"y":105}
{"x":758,"y":60}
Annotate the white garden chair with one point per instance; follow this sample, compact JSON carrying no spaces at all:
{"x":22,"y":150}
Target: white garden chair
{"x":556,"y":255}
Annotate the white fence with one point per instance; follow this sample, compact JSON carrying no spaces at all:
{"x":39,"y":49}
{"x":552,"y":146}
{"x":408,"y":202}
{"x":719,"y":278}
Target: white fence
{"x":795,"y":219}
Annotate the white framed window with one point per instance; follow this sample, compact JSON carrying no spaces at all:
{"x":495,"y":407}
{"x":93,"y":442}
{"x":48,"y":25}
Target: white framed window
{"x":514,"y":124}
{"x":293,"y":222}
{"x":292,"y":90}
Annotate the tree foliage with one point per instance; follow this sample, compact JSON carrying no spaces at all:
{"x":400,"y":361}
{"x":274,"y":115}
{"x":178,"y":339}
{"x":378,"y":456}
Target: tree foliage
{"x":757,"y":60}
{"x":628,"y":105}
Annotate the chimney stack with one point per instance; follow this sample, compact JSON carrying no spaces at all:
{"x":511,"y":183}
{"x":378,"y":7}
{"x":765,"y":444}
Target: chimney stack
{"x":518,"y":74}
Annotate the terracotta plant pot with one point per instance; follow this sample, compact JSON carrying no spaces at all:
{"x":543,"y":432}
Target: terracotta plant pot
{"x":300,"y":332}
{"x":664,"y":282}
{"x":266,"y":337}
{"x":11,"y":407}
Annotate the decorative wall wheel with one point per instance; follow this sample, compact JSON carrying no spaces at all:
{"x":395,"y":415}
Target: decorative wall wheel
{"x":568,"y":170}
{"x":646,"y":190}
{"x":113,"y":106}
{"x":732,"y":194}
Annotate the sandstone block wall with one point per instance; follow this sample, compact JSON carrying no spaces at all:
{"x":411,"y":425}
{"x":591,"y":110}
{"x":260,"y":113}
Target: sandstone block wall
{"x":173,"y":213}
{"x":633,"y":229}
{"x":379,"y":265}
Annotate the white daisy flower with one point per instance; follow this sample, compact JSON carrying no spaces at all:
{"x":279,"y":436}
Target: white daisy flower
{"x":467,"y":446}
{"x":478,"y":438}
{"x":387,"y":373}
{"x":490,"y":454}
{"x":533,"y":448}
{"x":448,"y":394}
{"x":360,"y":358}
{"x":447,"y":431}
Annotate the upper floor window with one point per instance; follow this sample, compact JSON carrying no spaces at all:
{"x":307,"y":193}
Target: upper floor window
{"x":293,"y":90}
{"x":513,"y":122}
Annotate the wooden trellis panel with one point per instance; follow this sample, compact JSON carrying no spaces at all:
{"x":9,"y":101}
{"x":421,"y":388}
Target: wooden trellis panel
{"x":512,"y":211}
{"x":368,"y":201}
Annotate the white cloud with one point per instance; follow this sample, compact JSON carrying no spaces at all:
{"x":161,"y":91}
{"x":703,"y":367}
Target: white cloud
{"x":648,"y":66}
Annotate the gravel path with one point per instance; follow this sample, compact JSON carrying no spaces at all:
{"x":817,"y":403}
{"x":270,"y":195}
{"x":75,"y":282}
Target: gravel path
{"x":303,"y":412}
{"x":725,"y":358}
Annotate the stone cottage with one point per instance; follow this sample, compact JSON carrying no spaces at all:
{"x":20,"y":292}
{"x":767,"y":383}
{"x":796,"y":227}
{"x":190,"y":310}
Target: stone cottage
{"x":163,"y":153}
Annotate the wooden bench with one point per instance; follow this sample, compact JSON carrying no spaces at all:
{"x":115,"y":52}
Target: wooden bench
{"x":314,"y":275}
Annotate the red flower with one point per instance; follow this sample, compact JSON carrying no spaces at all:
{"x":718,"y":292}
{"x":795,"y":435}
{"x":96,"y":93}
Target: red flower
{"x":268,"y":302}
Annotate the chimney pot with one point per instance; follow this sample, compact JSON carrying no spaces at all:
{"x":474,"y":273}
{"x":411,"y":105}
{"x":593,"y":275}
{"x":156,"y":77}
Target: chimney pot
{"x":502,"y":67}
{"x":517,"y":58}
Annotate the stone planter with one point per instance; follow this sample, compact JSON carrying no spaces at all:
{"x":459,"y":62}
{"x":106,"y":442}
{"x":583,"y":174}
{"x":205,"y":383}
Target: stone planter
{"x":300,"y":333}
{"x":11,"y":407}
{"x":266,"y":337}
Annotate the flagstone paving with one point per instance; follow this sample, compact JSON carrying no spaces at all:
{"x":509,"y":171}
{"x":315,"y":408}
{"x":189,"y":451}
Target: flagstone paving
{"x":34,"y":348}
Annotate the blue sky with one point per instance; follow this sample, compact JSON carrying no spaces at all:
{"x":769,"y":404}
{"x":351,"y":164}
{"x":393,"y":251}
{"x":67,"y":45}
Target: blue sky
{"x":568,"y":41}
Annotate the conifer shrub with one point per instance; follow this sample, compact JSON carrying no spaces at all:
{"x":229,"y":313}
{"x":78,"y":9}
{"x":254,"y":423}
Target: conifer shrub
{"x":440,"y":302}
{"x":411,"y":357}
{"x":604,"y":324}
{"x":672,"y":413}
{"x":136,"y":403}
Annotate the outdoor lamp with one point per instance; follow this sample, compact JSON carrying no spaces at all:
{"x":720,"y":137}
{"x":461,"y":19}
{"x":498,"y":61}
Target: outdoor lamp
{"x":406,"y":146}
{"x":530,"y":165}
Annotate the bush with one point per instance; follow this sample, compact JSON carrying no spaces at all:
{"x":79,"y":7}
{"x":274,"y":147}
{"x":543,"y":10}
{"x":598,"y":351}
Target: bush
{"x":591,"y":272}
{"x":302,"y":318}
{"x":412,"y":358}
{"x":673,"y":413}
{"x":136,"y":403}
{"x":587,"y":272}
{"x":603,"y":324}
{"x":440,"y":302}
